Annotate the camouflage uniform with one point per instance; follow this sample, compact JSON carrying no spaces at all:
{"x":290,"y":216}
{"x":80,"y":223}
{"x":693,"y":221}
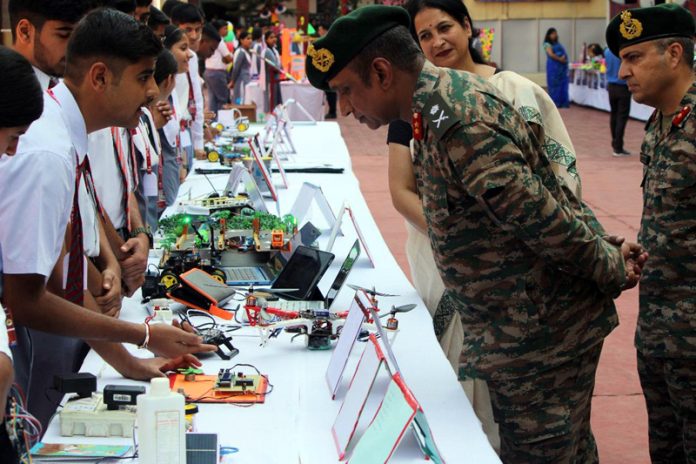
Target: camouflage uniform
{"x":666,"y":331}
{"x":531,"y":282}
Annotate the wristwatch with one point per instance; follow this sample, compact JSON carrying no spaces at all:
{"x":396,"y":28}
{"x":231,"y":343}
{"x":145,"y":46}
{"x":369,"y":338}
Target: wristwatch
{"x":143,"y":230}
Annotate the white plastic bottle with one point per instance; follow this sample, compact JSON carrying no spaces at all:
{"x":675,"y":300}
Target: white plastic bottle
{"x":161,"y":424}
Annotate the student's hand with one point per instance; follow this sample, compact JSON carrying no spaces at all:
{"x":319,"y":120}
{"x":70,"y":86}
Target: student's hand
{"x":230,"y":85}
{"x":146,"y":369}
{"x":182,"y":174}
{"x":200,"y":154}
{"x":110,"y":300}
{"x":161,"y":114}
{"x":133,"y":267}
{"x":209,"y":116}
{"x":171,"y":342}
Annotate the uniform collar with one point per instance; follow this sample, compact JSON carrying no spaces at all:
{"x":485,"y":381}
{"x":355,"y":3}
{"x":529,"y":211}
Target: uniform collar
{"x":43,"y":78}
{"x":426,"y":83}
{"x":73,"y":118}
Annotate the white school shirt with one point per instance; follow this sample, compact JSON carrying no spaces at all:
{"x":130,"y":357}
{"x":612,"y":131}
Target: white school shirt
{"x":37,"y":187}
{"x":107,"y":175}
{"x":173,"y":127}
{"x":43,"y":78}
{"x":181,"y":91}
{"x":4,"y":339}
{"x":143,"y":144}
{"x":215,"y":63}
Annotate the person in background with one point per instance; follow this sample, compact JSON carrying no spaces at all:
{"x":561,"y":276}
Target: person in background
{"x":174,"y":161}
{"x":169,"y":5}
{"x":241,"y":70}
{"x":330,"y":94}
{"x":594,"y":52}
{"x":40,"y":33}
{"x":216,"y":72}
{"x":556,"y":69}
{"x":257,"y":46}
{"x":21,"y":103}
{"x":619,"y":103}
{"x":142,"y":11}
{"x":157,"y":21}
{"x":189,"y":89}
{"x":657,"y":65}
{"x":273,"y":76}
{"x":124,"y":6}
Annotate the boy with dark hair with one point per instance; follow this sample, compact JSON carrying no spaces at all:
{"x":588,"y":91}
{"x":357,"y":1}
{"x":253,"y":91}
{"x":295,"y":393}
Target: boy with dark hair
{"x":40,"y":33}
{"x":124,"y":6}
{"x":189,"y":18}
{"x":169,"y":5}
{"x":109,"y":67}
{"x":22,"y":104}
{"x":157,"y":21}
{"x":142,"y":10}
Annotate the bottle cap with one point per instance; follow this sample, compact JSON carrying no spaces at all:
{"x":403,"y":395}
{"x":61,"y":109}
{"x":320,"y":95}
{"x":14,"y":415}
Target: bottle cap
{"x":159,"y":386}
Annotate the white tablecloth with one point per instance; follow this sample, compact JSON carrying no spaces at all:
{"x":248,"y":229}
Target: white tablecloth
{"x":589,"y":88}
{"x":310,"y":98}
{"x":294,"y":424}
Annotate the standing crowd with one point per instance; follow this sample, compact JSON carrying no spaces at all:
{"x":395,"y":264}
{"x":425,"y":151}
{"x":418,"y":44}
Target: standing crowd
{"x":103,"y":113}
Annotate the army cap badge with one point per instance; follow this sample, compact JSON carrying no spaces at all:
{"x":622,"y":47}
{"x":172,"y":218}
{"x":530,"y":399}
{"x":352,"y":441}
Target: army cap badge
{"x":638,"y":25}
{"x":328,"y":55}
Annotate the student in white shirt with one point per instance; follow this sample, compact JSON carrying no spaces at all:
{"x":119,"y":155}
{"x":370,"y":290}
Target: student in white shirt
{"x":241,"y":71}
{"x":40,"y":33}
{"x":21,"y":103}
{"x":175,"y":163}
{"x":108,"y":77}
{"x":189,"y":18}
{"x":216,"y":75}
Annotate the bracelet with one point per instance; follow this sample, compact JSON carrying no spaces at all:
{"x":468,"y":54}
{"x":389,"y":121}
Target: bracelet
{"x":145,"y":342}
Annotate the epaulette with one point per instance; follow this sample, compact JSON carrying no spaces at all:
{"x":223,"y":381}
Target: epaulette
{"x":438,"y":115}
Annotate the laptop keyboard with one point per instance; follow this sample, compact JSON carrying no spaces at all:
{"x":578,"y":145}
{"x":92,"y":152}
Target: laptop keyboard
{"x":298,"y":305}
{"x":243,"y":274}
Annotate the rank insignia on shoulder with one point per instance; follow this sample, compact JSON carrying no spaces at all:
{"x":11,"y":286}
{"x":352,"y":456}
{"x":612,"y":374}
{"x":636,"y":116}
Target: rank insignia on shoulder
{"x":417,"y":124}
{"x":439,"y":115}
{"x":679,"y":118}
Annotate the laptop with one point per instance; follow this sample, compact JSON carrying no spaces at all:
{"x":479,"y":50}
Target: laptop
{"x":324,"y":302}
{"x":265,"y":273}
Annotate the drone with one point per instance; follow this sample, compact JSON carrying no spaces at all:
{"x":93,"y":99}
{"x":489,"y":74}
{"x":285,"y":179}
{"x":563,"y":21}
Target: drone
{"x":319,"y":326}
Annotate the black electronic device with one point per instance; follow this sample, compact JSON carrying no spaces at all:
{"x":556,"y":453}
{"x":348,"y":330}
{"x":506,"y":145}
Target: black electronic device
{"x":82,"y":383}
{"x":116,"y":396}
{"x":303,"y":271}
{"x":218,"y":338}
{"x":151,"y":287}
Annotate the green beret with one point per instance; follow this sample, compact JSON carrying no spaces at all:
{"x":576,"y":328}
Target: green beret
{"x":642,"y":24}
{"x":347,"y":37}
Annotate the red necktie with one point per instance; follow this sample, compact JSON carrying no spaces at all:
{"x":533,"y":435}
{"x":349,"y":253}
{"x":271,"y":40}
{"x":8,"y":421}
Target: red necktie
{"x":74,"y":287}
{"x":192,"y":98}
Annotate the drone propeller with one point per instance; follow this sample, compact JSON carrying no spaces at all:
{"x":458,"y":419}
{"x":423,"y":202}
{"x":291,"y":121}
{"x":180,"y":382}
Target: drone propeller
{"x":372,"y":292}
{"x":263,"y":292}
{"x":400,"y":309}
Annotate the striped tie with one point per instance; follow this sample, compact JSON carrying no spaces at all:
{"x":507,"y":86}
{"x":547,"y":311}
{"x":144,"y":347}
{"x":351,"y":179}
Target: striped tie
{"x":74,"y":287}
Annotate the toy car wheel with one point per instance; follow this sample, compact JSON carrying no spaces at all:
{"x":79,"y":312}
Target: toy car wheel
{"x":169,"y":279}
{"x":213,"y":156}
{"x":219,"y":275}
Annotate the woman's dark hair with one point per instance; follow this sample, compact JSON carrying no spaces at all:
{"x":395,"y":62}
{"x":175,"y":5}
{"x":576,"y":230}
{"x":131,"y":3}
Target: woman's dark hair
{"x":456,"y":9}
{"x":243,"y":35}
{"x":218,"y":23}
{"x":20,"y":92}
{"x":172,"y":35}
{"x":157,"y":18}
{"x":595,"y":49}
{"x":547,"y":37}
{"x":165,"y":66}
{"x":256,"y":34}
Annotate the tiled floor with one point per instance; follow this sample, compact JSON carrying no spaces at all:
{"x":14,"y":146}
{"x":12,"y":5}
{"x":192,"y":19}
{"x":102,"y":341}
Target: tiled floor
{"x":611,"y":188}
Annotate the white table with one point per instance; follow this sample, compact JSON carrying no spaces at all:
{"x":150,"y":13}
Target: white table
{"x":294,"y":424}
{"x":589,"y":88}
{"x":310,"y":98}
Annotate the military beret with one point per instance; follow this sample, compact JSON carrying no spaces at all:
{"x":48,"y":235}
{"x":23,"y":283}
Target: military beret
{"x":347,"y":37}
{"x":642,"y":24}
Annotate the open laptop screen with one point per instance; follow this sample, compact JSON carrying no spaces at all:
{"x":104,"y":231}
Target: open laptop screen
{"x":304,"y":269}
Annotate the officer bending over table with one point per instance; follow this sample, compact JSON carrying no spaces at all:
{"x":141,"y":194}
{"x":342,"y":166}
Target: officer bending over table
{"x":532,"y":283}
